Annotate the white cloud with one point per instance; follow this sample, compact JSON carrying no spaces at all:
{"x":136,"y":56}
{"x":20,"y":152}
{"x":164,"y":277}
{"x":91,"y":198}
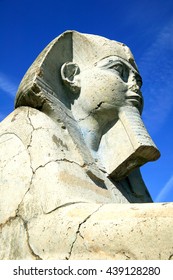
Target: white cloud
{"x":164,"y":193}
{"x":7,"y":85}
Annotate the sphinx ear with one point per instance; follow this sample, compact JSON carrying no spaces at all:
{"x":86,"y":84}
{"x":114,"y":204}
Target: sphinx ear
{"x":70,"y":75}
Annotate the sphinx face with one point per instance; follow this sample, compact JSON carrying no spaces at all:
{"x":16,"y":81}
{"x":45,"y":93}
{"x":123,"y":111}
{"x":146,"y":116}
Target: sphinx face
{"x":109,"y":85}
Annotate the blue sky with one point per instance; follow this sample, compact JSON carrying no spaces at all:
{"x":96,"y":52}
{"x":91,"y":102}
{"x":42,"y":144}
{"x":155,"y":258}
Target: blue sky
{"x":27,"y":26}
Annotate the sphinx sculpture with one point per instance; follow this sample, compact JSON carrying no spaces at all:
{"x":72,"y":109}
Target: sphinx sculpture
{"x":73,"y":147}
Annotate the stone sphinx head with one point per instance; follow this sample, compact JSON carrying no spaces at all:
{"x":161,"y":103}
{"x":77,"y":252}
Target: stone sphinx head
{"x":95,"y":82}
{"x":88,"y":65}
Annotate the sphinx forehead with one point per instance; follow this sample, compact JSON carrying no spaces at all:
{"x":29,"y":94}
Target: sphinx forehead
{"x":89,"y":49}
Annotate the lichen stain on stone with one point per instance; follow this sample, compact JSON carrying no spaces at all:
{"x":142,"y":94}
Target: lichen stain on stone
{"x":75,"y":181}
{"x":59,"y":142}
{"x":14,"y":117}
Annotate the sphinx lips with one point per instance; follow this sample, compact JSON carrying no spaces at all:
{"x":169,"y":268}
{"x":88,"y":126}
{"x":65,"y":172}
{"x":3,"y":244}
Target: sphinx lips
{"x":135,"y":100}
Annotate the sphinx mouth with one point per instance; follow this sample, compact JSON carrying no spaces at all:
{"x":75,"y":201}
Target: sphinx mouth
{"x":135,"y":100}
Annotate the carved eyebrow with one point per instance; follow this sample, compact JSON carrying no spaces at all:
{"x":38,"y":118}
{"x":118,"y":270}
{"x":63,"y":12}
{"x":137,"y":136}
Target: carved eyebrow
{"x":111,"y":61}
{"x":115,"y":59}
{"x":107,"y":62}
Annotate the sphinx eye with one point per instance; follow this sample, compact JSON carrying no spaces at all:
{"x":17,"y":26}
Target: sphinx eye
{"x":118,"y":68}
{"x":121,"y":69}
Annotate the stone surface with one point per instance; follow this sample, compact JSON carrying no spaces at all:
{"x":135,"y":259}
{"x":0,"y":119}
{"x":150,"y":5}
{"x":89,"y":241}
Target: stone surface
{"x":70,"y":155}
{"x":91,"y":231}
{"x":94,"y":92}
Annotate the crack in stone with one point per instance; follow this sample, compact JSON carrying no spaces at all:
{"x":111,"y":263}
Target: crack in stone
{"x":11,"y":133}
{"x":70,"y":161}
{"x":56,"y":161}
{"x":25,"y":223}
{"x":92,"y":112}
{"x":30,"y":122}
{"x":8,"y":221}
{"x":42,"y":166}
{"x":29,"y":145}
{"x":13,"y":157}
{"x":78,"y":233}
{"x":125,"y":254}
{"x":6,"y":139}
{"x":64,"y":205}
{"x":30,"y":184}
{"x":128,"y":255}
{"x":99,"y":105}
{"x":11,"y":219}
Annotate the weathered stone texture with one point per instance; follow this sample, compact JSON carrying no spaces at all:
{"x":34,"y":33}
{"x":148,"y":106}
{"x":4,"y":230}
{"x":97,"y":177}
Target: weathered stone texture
{"x":92,"y":231}
{"x":70,"y":155}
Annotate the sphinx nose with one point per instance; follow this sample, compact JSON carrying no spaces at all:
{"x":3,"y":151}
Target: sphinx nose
{"x":134,"y":87}
{"x":134,"y":84}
